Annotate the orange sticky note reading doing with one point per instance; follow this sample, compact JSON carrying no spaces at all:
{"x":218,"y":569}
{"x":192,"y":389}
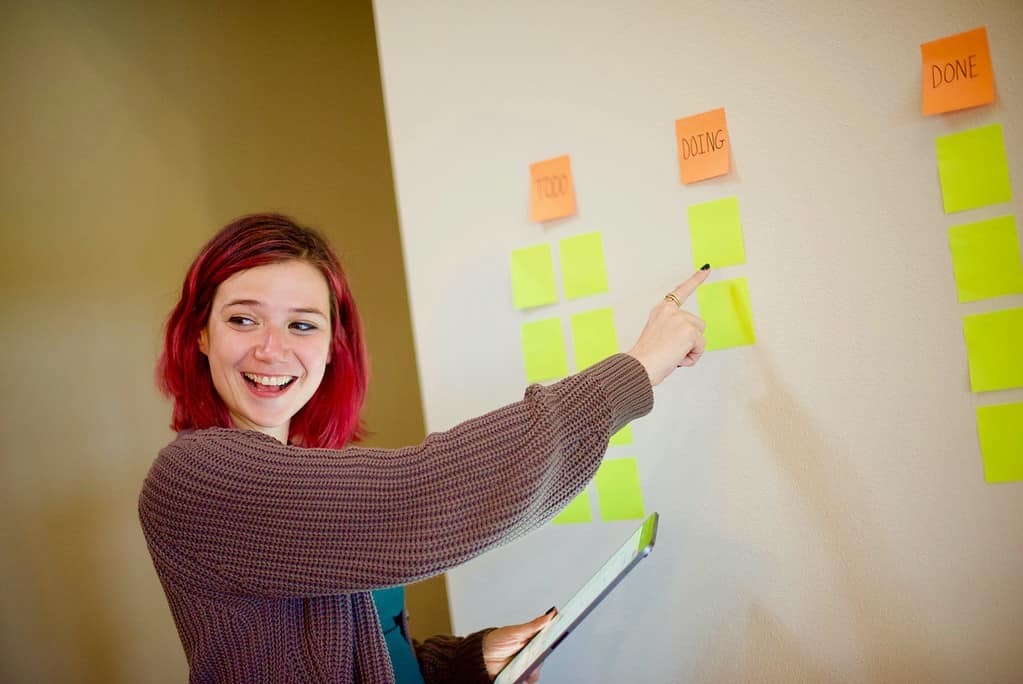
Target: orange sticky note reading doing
{"x":703,"y":147}
{"x":551,"y":190}
{"x":957,"y":72}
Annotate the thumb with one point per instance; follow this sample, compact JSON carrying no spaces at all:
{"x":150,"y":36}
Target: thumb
{"x":539,"y":623}
{"x":528,"y":629}
{"x":501,"y":644}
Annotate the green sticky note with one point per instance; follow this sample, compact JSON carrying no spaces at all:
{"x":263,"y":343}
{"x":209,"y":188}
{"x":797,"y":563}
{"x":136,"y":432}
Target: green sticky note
{"x":622,"y":437}
{"x":986,"y":259}
{"x":994,"y":345}
{"x":543,"y":349}
{"x":577,"y":511}
{"x":593,"y":337}
{"x":1000,"y":428}
{"x":716,"y":233}
{"x":725,"y":307}
{"x":582,"y":265}
{"x":618,"y":490}
{"x":973,"y":169}
{"x":532,"y":272}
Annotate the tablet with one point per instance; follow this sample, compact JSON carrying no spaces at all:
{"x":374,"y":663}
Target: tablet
{"x":635,"y":548}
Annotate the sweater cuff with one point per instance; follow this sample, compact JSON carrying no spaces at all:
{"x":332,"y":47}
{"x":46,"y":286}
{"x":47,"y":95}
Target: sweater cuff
{"x":467,"y":664}
{"x":627,"y":386}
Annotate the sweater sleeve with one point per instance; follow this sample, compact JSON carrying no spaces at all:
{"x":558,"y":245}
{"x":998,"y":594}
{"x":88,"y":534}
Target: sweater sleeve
{"x":272,"y":520}
{"x":452,"y":659}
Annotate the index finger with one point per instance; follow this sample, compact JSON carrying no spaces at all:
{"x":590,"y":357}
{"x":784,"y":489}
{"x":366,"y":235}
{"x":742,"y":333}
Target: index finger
{"x":689,"y":287}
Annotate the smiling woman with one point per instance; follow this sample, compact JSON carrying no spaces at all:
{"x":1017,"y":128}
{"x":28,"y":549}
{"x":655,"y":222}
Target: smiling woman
{"x":281,"y":553}
{"x":268,"y":343}
{"x":245,"y":265}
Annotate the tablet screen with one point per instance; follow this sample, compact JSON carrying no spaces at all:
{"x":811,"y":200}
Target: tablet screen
{"x":636,"y":547}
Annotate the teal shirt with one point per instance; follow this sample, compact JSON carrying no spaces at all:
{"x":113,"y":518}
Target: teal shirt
{"x":390,"y":604}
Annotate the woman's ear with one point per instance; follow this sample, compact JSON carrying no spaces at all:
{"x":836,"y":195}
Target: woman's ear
{"x":204,"y":342}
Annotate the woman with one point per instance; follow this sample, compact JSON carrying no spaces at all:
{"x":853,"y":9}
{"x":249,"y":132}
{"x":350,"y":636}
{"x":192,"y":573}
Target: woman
{"x":275,"y":545}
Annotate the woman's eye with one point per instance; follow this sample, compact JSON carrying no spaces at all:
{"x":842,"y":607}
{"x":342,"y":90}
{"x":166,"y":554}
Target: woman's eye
{"x":302,"y":326}
{"x":242,"y":321}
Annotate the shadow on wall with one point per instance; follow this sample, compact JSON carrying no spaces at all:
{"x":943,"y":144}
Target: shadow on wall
{"x":892,"y":640}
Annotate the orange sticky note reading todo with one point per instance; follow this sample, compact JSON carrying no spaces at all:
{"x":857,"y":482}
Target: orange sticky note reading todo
{"x":703,"y":146}
{"x":957,"y":72}
{"x":551,"y":190}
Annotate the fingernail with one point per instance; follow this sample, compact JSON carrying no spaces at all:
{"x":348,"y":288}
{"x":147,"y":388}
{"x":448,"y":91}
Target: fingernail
{"x":550,"y":611}
{"x":704,"y":267}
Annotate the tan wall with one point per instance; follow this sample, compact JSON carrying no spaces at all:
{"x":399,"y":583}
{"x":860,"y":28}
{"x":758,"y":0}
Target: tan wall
{"x":127,"y":135}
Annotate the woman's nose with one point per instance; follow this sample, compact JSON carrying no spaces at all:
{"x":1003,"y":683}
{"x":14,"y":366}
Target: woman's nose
{"x":271,"y":347}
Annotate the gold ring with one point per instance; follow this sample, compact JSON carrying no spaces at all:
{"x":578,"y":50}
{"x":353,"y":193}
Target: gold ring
{"x":670,"y":297}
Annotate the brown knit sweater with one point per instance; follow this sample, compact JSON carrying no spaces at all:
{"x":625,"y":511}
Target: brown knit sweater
{"x":267,"y":553}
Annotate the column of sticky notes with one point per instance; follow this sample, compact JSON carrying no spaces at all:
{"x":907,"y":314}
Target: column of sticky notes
{"x":594,"y":338}
{"x":715,"y":230}
{"x":986,"y":258}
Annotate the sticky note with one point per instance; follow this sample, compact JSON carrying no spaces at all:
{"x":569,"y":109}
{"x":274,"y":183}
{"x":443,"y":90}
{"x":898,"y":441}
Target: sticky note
{"x":577,"y":511}
{"x":582,"y":265}
{"x":986,"y":259}
{"x":551,"y":190}
{"x":957,"y":72}
{"x":704,"y":150}
{"x":532,"y":271}
{"x":716,"y":233}
{"x":1000,"y":429}
{"x":973,"y":169}
{"x":543,"y":349}
{"x":725,"y":307}
{"x":994,"y":346}
{"x":618,"y":490}
{"x":593,"y":336}
{"x":622,"y":437}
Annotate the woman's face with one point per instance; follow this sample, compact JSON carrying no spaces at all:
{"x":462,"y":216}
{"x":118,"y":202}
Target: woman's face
{"x":268,"y":343}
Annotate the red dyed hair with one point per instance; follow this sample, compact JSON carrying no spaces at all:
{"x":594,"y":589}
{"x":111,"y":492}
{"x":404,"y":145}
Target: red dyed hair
{"x":331,"y":418}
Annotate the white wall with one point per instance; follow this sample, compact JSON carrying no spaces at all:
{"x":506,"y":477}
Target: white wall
{"x":825,"y":516}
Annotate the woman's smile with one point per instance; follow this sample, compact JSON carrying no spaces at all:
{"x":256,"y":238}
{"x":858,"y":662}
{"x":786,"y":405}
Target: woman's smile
{"x":269,"y":385}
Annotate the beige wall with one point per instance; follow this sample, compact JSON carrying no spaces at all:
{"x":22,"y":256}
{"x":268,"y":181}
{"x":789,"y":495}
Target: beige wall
{"x":127,"y":135}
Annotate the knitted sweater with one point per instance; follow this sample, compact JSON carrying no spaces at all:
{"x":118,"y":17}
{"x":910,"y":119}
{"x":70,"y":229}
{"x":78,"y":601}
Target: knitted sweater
{"x":267,"y":552}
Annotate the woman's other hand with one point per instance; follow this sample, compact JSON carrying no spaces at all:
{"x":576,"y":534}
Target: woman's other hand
{"x":672,"y":336}
{"x":501,"y":644}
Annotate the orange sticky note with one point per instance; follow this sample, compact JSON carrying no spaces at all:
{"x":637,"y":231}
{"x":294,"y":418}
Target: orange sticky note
{"x":957,"y":72}
{"x":703,"y":146}
{"x":551,"y":190}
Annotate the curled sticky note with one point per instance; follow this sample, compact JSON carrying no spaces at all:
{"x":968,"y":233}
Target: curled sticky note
{"x":725,"y":307}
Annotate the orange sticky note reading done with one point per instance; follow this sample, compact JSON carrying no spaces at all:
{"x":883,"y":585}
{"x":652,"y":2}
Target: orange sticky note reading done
{"x":957,"y":72}
{"x":551,"y":190}
{"x":703,"y":147}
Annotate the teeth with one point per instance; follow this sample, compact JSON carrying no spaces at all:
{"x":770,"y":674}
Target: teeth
{"x":274,"y":380}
